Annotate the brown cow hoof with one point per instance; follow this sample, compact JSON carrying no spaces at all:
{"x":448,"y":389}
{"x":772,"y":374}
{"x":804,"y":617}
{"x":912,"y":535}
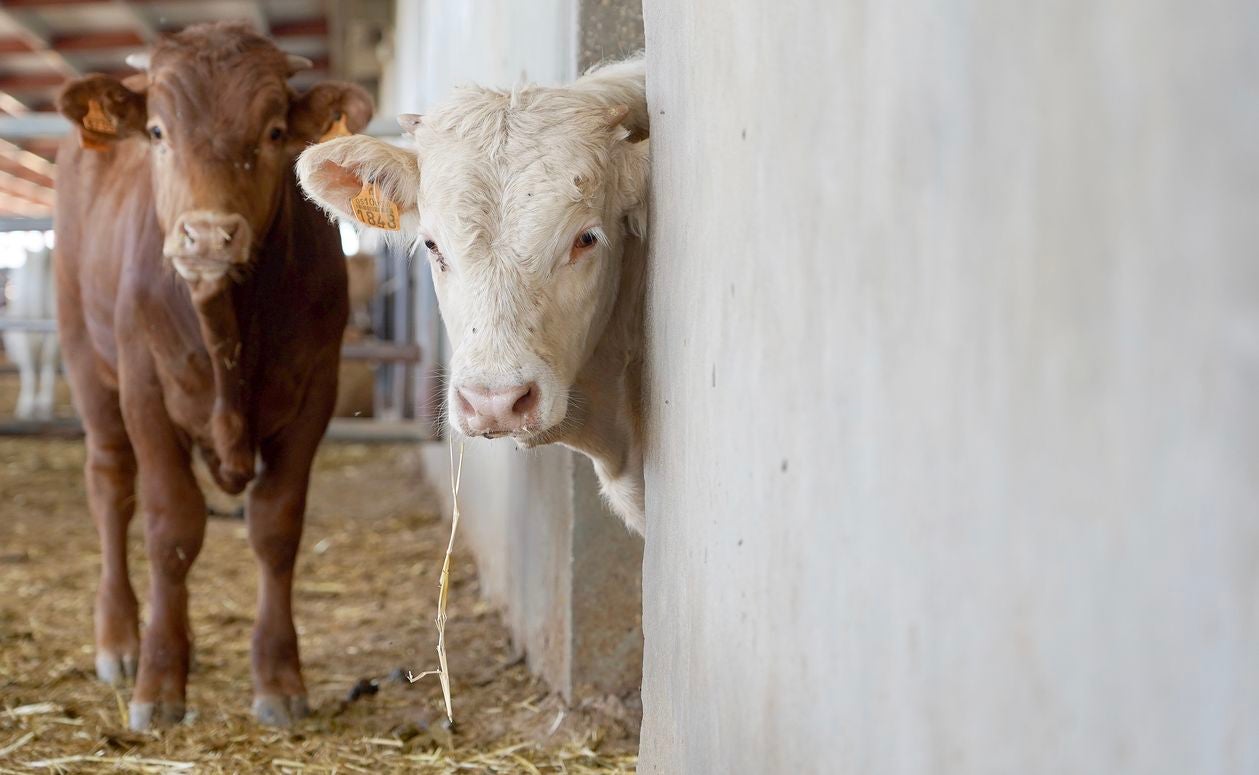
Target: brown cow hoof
{"x":276,"y":710}
{"x":146,"y":715}
{"x":115,"y":669}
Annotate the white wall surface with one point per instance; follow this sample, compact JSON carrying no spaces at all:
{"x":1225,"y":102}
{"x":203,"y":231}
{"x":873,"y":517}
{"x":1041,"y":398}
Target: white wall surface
{"x":441,"y":44}
{"x":954,"y":354}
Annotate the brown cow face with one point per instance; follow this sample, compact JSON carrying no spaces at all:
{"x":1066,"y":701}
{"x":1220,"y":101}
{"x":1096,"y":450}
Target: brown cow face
{"x":221,"y":127}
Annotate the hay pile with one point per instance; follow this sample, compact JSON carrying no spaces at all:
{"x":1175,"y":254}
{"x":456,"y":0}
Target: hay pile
{"x":364,"y":604}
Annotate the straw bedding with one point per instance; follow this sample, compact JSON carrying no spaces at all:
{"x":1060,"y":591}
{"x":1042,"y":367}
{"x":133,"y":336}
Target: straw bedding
{"x":364,"y":603}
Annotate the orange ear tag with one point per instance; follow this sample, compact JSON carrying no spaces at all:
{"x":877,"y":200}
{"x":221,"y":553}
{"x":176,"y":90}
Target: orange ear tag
{"x":91,"y":143}
{"x":98,"y":120}
{"x":374,"y":210}
{"x":338,"y":129}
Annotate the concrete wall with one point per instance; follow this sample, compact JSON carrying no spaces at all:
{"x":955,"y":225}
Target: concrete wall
{"x":954,"y":351}
{"x":439,"y":45}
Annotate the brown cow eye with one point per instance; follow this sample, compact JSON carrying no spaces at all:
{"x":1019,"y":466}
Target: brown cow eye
{"x":587,"y":239}
{"x":277,"y":133}
{"x":155,"y":132}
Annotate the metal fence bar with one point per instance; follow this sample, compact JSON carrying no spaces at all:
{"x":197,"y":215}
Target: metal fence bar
{"x":365,"y":350}
{"x":25,"y":224}
{"x":31,"y":125}
{"x":373,"y":350}
{"x":34,"y":325}
{"x":48,"y":124}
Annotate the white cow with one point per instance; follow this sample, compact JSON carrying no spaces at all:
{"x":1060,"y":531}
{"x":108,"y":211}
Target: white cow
{"x":36,"y":354}
{"x":531,"y":206}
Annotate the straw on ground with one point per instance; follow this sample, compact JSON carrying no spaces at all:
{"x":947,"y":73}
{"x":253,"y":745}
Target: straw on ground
{"x":443,"y":586}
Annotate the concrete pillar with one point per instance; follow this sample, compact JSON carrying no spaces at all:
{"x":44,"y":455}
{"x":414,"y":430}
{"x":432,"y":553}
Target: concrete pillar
{"x":953,"y":356}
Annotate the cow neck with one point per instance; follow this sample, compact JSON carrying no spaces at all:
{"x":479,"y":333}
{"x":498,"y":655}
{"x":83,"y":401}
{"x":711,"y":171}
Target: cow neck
{"x":606,"y":424}
{"x":227,"y":312}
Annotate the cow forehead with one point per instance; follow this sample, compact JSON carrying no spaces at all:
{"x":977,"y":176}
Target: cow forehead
{"x":534,"y":183}
{"x":511,"y":173}
{"x":216,"y":78}
{"x":240,"y":93}
{"x":505,"y":210}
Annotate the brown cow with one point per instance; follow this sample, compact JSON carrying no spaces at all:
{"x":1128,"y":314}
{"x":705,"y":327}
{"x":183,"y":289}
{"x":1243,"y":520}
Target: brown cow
{"x":201,"y":301}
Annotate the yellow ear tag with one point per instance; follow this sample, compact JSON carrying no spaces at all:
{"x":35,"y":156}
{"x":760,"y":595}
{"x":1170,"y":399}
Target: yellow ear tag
{"x":98,"y":120}
{"x":374,"y":210}
{"x":338,"y":129}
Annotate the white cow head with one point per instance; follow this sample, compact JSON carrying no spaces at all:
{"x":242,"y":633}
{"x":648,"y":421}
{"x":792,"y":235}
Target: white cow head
{"x":522,"y":202}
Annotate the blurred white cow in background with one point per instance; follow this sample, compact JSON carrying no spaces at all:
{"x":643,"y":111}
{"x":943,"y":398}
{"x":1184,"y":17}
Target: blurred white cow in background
{"x":36,"y":354}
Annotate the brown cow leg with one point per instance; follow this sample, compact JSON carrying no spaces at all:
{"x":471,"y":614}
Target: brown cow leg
{"x":110,"y":475}
{"x":175,"y":518}
{"x":277,"y":509}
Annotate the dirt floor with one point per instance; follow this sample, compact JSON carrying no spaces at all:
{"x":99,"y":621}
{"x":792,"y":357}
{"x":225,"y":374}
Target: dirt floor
{"x":365,"y":598}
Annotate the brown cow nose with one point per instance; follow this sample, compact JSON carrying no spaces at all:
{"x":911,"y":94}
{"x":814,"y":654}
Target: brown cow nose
{"x":497,"y":410}
{"x":208,"y":234}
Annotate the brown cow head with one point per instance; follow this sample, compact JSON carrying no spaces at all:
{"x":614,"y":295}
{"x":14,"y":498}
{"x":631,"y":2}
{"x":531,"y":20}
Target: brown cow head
{"x":222,"y":127}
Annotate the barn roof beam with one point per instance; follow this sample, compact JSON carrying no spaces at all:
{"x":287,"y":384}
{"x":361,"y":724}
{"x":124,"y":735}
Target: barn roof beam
{"x":144,"y":32}
{"x":37,"y":37}
{"x":141,"y":21}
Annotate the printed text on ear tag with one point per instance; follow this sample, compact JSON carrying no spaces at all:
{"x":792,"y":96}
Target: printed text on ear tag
{"x":98,"y":120}
{"x":374,"y":210}
{"x":338,"y":129}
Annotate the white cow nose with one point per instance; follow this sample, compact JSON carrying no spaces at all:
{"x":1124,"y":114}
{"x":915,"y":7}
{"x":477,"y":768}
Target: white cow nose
{"x":497,"y":410}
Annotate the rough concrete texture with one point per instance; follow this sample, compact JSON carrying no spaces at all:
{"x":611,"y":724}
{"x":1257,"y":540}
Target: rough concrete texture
{"x":563,"y":567}
{"x":608,"y":29}
{"x":954,"y":354}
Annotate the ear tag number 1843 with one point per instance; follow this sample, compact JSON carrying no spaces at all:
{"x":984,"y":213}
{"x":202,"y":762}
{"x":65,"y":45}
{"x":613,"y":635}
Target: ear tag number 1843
{"x":374,"y":210}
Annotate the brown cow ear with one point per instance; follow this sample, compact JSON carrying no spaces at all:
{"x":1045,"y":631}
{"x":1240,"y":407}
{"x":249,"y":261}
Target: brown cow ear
{"x":329,"y":109}
{"x":103,"y":110}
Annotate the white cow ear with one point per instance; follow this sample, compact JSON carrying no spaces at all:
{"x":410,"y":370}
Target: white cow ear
{"x":635,"y":179}
{"x":409,"y":122}
{"x":341,"y":175}
{"x":620,"y":115}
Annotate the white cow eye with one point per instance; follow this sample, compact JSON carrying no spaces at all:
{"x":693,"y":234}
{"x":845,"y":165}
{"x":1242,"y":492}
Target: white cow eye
{"x":585,"y":240}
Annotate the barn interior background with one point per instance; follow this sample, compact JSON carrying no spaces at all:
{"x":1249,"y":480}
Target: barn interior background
{"x":954,"y":453}
{"x":554,"y":672}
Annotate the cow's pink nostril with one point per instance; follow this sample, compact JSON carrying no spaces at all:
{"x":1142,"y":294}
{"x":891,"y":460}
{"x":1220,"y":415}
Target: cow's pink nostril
{"x":526,"y":402}
{"x":465,"y":406}
{"x":210,"y":235}
{"x":496,"y":410}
